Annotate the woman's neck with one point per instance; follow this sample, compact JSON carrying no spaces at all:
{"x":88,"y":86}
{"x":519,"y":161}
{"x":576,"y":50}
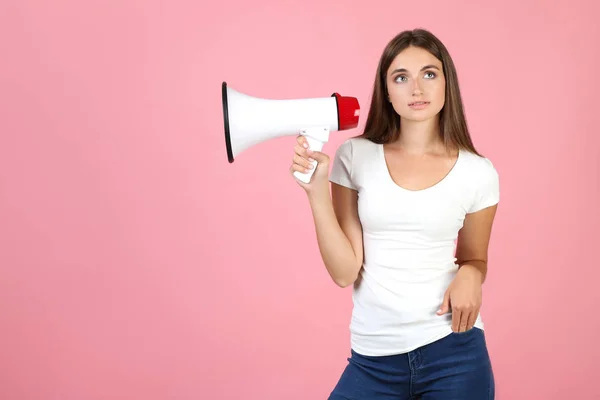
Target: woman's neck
{"x":420,"y":137}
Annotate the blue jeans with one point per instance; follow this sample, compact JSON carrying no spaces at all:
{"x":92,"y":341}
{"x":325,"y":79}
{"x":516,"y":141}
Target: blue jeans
{"x":455,"y":367}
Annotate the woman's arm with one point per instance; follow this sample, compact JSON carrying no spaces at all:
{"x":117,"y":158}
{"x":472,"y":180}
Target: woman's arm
{"x":335,"y":215}
{"x":464,"y":295}
{"x":473,"y":240}
{"x":339,"y":232}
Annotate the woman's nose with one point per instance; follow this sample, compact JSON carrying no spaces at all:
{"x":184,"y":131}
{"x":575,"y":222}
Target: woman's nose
{"x":417,"y":88}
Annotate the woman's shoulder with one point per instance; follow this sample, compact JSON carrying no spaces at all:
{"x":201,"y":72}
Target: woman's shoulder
{"x":478,"y":166}
{"x":355,"y":153}
{"x":357,"y":143}
{"x":478,"y":161}
{"x":480,"y":175}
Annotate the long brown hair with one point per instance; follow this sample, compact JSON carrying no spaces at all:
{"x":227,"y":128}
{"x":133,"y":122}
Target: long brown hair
{"x":383,"y":123}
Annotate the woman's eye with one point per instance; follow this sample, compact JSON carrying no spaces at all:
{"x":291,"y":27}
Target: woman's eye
{"x":400,"y":78}
{"x":431,"y":75}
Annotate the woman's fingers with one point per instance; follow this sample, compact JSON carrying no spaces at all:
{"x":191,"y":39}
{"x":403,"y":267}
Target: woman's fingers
{"x":301,"y":163}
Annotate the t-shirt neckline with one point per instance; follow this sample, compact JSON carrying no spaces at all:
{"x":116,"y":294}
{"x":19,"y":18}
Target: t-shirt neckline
{"x":443,"y":180}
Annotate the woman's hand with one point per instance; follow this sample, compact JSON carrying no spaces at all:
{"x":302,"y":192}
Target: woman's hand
{"x":301,"y":162}
{"x":463,"y":297}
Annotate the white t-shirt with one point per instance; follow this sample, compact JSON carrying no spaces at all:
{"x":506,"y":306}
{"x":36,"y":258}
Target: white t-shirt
{"x":409,"y":245}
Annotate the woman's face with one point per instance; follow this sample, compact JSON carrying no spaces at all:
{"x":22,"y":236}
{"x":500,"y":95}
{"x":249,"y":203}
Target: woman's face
{"x":416,"y":84}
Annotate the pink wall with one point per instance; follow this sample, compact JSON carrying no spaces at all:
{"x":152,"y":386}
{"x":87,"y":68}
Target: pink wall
{"x":136,"y":263}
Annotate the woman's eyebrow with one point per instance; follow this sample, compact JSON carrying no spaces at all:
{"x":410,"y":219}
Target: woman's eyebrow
{"x":422,"y":69}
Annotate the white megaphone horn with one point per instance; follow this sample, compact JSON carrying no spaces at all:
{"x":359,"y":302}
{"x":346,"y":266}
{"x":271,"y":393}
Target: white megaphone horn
{"x":249,"y":120}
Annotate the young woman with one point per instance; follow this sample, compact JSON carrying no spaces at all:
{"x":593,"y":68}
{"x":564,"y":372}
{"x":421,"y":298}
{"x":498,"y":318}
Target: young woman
{"x":407,"y":224}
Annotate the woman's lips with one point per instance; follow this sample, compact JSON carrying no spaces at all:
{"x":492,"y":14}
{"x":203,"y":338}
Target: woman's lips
{"x":418,"y":105}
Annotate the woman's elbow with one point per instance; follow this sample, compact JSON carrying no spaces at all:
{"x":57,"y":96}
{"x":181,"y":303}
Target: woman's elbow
{"x":345,"y":281}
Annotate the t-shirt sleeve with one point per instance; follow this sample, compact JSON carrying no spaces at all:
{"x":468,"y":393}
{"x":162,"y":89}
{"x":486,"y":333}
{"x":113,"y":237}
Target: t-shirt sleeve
{"x":487,"y":191}
{"x":341,"y":168}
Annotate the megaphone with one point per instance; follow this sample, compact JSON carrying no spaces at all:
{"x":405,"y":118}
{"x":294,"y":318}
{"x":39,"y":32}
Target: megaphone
{"x":250,"y":120}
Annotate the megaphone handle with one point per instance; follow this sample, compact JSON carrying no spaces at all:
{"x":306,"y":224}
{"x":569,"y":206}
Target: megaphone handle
{"x":314,"y":145}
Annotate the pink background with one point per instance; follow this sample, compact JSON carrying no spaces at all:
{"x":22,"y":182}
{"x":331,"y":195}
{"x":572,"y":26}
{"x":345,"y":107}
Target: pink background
{"x":137,"y":263}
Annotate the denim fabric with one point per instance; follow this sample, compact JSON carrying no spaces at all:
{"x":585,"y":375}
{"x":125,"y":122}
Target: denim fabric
{"x":456,"y":367}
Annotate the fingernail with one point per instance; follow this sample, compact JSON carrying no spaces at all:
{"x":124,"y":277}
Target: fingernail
{"x":306,"y":145}
{"x":311,"y":160}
